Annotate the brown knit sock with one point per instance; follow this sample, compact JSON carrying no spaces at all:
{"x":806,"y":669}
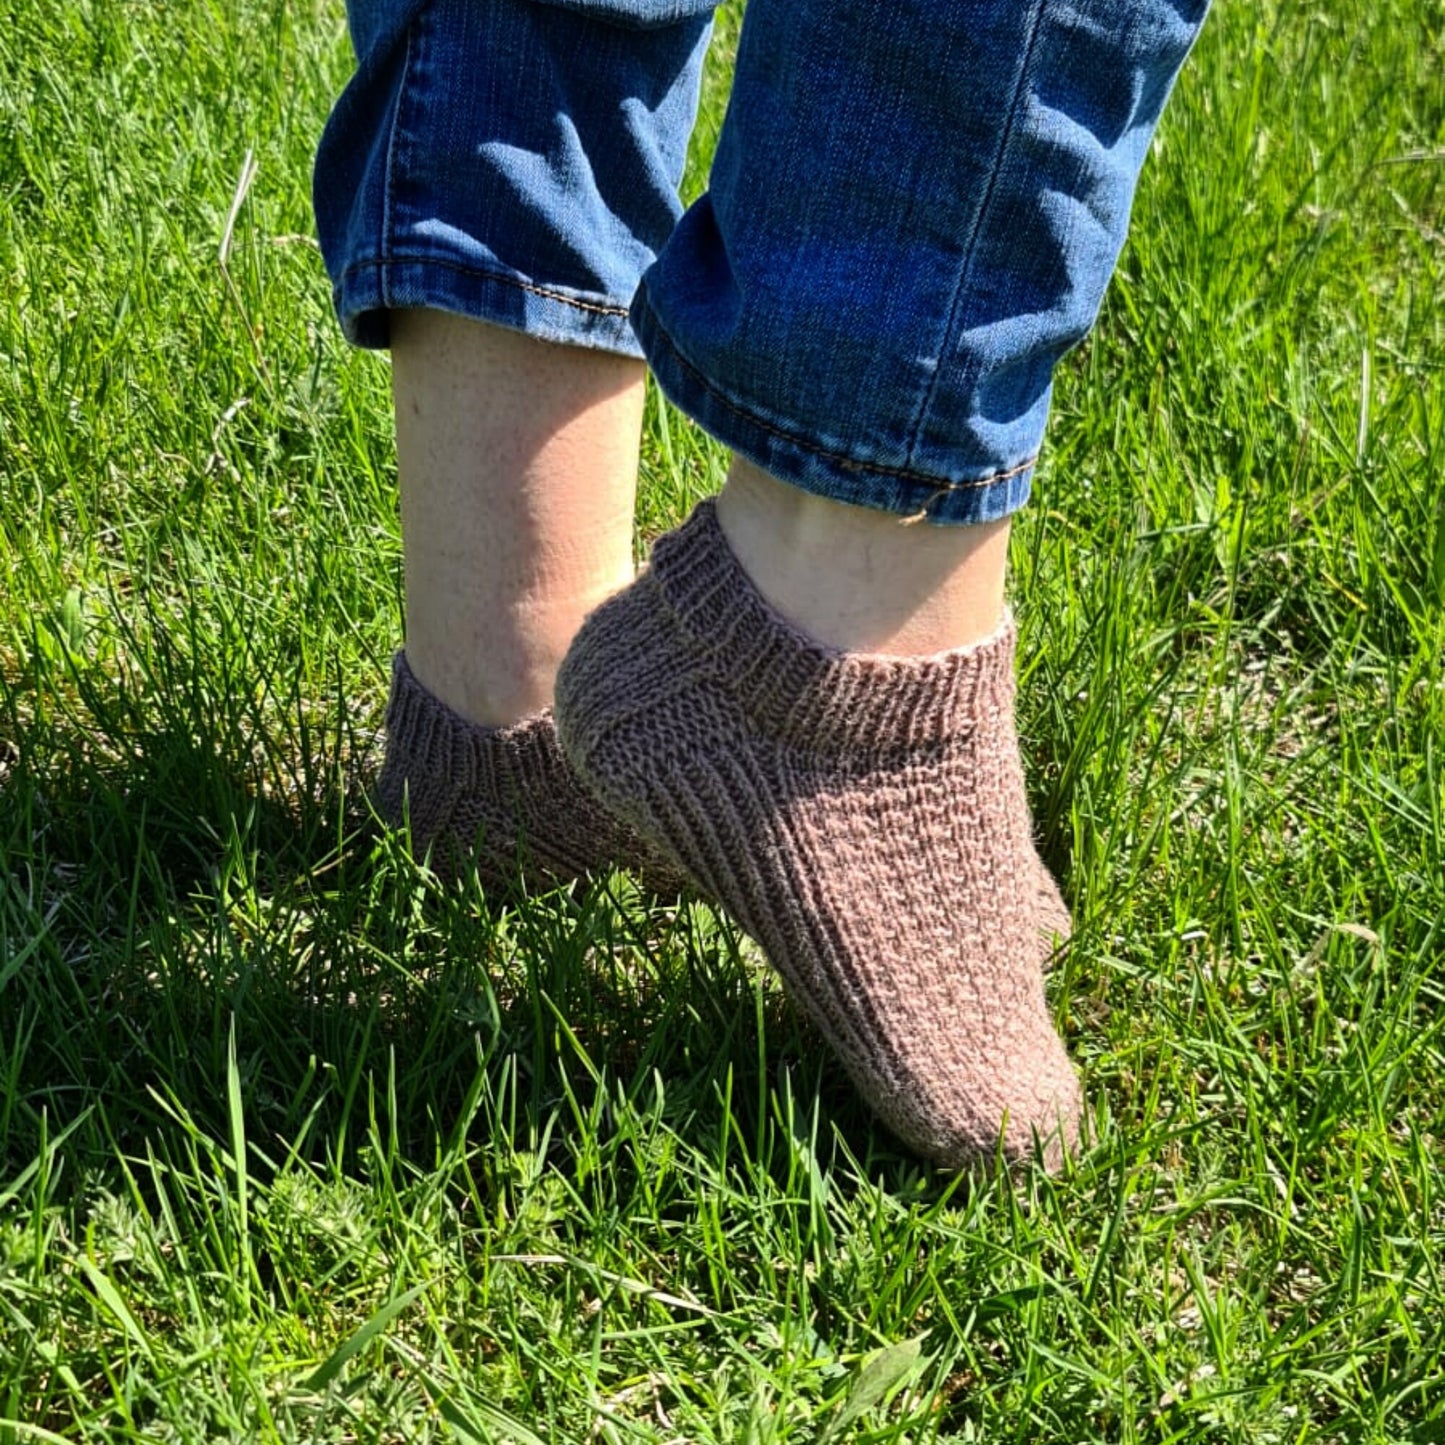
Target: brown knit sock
{"x":504,"y":796}
{"x":863,"y":817}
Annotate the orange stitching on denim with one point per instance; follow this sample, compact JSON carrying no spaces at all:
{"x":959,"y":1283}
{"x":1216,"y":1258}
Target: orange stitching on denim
{"x":942,"y":486}
{"x":488,"y":275}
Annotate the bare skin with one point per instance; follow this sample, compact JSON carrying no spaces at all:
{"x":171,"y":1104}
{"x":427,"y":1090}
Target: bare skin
{"x":518,"y":464}
{"x":862,"y":580}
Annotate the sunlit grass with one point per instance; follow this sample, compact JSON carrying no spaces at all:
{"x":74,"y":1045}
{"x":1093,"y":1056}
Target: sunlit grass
{"x":298,"y":1144}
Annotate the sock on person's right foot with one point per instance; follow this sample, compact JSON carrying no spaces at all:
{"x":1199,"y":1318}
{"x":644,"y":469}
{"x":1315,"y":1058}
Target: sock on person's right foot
{"x":863,"y":817}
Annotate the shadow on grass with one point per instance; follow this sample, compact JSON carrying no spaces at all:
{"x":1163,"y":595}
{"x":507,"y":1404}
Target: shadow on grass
{"x":193,"y":875}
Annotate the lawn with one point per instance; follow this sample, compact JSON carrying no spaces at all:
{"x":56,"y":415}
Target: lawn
{"x":298,"y":1143}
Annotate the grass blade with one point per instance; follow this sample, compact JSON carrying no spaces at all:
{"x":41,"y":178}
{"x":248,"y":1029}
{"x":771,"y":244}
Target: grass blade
{"x":357,"y":1342}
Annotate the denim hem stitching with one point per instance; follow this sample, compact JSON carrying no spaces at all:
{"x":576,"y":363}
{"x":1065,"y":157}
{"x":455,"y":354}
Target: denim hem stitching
{"x":941,"y":485}
{"x":966,"y":271}
{"x":442,"y":264}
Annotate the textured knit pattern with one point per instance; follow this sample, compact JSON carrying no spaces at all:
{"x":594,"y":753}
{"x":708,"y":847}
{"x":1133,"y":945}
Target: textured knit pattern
{"x":863,"y":818}
{"x":505,"y":798}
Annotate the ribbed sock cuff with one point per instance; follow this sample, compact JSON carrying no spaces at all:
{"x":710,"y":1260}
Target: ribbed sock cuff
{"x":437,"y":742}
{"x":799,"y":691}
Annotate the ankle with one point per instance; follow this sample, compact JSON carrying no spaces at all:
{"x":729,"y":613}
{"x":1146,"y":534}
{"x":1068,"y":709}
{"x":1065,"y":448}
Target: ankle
{"x":498,"y":697}
{"x":862,"y":580}
{"x":498,"y":668}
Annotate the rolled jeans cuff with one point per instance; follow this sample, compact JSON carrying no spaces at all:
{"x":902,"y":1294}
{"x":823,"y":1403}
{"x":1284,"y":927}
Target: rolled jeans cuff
{"x":368,"y":290}
{"x":514,"y":161}
{"x":808,"y":461}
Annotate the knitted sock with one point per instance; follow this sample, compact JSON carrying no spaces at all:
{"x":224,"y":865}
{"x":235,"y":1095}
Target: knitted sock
{"x":863,"y":817}
{"x":502,"y":796}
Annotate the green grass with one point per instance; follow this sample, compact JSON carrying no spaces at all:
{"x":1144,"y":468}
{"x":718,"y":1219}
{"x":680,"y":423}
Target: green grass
{"x":297,"y":1144}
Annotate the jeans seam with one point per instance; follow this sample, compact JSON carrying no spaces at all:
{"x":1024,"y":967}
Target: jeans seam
{"x":386,"y":205}
{"x":940,"y":484}
{"x":441,"y":263}
{"x":971,"y":250}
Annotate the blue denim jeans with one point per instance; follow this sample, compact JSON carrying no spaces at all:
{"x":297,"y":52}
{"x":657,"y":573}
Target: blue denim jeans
{"x":914,"y":210}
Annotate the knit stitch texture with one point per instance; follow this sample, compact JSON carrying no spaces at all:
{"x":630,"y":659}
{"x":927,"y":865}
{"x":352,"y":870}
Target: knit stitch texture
{"x":504,"y":798}
{"x":863,"y":817}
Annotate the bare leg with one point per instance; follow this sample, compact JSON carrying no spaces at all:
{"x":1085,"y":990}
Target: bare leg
{"x":518,"y":462}
{"x":862,"y":580}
